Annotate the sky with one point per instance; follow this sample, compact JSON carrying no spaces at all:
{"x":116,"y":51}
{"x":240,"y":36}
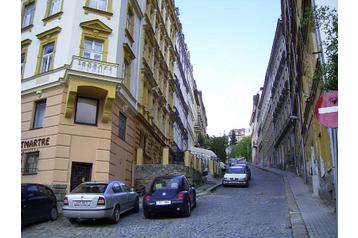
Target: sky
{"x":230,"y":44}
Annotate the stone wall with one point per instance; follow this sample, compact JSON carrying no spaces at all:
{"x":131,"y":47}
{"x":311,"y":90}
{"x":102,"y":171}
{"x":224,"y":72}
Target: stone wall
{"x":145,"y":174}
{"x":60,"y":191}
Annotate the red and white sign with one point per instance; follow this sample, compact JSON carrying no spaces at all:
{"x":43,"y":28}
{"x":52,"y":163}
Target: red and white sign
{"x":326,"y":109}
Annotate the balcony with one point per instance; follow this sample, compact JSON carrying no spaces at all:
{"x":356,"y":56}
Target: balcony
{"x":96,"y":67}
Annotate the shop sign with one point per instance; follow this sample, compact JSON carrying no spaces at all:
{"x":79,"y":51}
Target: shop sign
{"x":35,"y":143}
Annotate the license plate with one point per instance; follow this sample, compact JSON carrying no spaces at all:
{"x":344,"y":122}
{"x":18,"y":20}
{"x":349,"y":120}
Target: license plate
{"x":163,"y":202}
{"x":81,"y":203}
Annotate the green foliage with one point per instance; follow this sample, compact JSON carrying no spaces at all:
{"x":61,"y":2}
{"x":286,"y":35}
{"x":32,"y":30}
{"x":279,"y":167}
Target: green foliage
{"x":218,"y":146}
{"x":243,"y":149}
{"x":328,"y":21}
{"x":233,"y":139}
{"x":308,"y":19}
{"x":203,"y":141}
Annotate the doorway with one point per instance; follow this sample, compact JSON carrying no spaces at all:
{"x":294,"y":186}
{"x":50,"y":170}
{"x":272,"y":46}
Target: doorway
{"x":80,"y":172}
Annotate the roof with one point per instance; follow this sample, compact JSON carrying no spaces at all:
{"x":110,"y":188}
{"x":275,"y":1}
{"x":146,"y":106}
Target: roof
{"x":203,"y":153}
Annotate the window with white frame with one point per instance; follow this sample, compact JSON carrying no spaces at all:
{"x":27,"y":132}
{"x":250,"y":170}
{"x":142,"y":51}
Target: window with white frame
{"x":30,"y":163}
{"x":28,"y":14}
{"x":47,"y":57}
{"x":86,"y":111}
{"x":98,"y":4}
{"x":55,"y":6}
{"x":93,"y":49}
{"x":40,"y":108}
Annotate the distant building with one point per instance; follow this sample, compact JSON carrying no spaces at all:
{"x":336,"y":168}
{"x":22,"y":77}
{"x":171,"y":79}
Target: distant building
{"x":239,"y":133}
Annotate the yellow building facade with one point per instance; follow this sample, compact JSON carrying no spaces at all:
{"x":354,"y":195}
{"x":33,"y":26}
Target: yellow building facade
{"x":156,"y":86}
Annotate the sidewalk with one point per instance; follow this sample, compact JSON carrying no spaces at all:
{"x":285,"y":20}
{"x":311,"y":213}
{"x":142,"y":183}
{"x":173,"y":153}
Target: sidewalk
{"x":320,"y":220}
{"x":211,"y":184}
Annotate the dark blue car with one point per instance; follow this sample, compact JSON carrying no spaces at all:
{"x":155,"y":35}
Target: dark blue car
{"x":38,"y":203}
{"x":170,"y":194}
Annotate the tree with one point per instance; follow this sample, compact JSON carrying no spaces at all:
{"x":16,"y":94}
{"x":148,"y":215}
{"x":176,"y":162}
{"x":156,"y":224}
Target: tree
{"x":218,"y":146}
{"x":203,"y":141}
{"x":328,"y":21}
{"x":233,"y":139}
{"x":243,"y":149}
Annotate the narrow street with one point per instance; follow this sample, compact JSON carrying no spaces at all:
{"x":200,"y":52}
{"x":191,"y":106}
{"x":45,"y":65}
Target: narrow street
{"x":258,"y":211}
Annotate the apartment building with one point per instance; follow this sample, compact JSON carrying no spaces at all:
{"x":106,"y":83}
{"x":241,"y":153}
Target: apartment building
{"x":78,"y":90}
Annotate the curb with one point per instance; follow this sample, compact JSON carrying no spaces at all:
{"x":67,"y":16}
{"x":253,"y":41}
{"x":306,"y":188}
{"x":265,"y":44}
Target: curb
{"x":298,"y":226}
{"x":208,"y":190}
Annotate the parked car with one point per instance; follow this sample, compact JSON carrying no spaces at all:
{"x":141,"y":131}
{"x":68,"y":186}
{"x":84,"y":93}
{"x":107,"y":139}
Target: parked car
{"x":100,"y":200}
{"x":38,"y":203}
{"x":248,"y":170}
{"x":236,"y":175}
{"x":170,"y":194}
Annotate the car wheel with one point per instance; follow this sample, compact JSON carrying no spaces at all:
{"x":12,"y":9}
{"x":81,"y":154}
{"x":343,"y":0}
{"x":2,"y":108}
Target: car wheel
{"x":136,"y":205}
{"x":53,"y":214}
{"x":115,"y":216}
{"x":72,"y":220}
{"x":146,"y":214}
{"x":187,"y":211}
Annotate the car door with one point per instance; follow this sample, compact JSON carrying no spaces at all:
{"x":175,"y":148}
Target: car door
{"x":46,"y":199}
{"x":34,"y":203}
{"x":119,"y":196}
{"x":128,"y":200}
{"x":131,"y":196}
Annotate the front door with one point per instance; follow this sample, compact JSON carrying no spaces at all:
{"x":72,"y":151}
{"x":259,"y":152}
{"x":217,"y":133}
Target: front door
{"x":81,"y":172}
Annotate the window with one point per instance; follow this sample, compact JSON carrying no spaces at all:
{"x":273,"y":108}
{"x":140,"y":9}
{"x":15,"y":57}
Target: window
{"x":90,"y":188}
{"x":129,"y":21}
{"x":86,"y":111}
{"x":55,"y":6}
{"x":93,"y":49}
{"x":23,"y":55}
{"x":98,"y":4}
{"x":126,"y":73}
{"x":40,"y":108}
{"x":47,"y":57}
{"x":45,"y":191}
{"x":30,"y":163}
{"x":32,"y":190}
{"x":127,"y":60}
{"x":116,"y":188}
{"x":47,"y":49}
{"x":28,"y":14}
{"x":122,"y":126}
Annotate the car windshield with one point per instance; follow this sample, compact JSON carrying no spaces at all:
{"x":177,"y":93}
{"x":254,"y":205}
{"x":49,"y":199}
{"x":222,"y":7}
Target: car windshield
{"x":90,"y":188}
{"x":237,"y":170}
{"x":166,"y":183}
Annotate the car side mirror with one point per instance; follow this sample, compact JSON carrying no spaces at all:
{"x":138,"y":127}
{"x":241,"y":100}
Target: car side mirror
{"x":132,"y":190}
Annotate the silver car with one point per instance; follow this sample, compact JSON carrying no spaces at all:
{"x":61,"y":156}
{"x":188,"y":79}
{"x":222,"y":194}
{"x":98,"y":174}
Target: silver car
{"x":100,"y":200}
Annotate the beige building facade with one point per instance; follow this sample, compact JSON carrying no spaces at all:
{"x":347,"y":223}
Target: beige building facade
{"x":78,"y":91}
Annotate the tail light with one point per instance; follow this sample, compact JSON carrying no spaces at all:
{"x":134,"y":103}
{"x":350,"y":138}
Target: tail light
{"x":101,"y":201}
{"x":65,"y":201}
{"x":181,"y":196}
{"x":147,"y":198}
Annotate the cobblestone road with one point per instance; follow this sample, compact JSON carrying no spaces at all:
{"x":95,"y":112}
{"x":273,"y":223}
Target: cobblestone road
{"x":258,"y":211}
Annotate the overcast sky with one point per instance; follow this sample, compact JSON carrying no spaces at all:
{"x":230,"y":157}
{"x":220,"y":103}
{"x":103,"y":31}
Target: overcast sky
{"x":230,"y":43}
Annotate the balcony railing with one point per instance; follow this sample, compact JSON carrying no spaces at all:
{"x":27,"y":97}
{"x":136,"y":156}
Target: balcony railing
{"x":94,"y":66}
